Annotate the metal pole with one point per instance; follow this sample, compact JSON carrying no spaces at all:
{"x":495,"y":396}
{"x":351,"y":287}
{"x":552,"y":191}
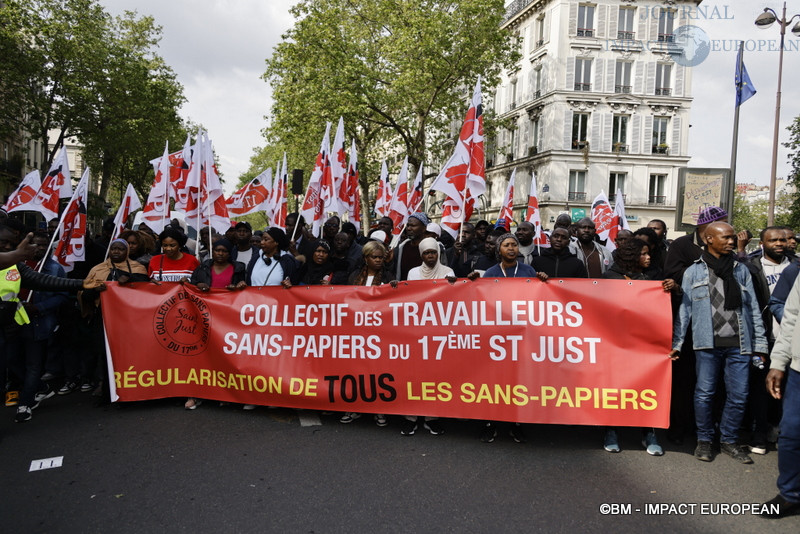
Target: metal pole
{"x":735,"y":144}
{"x":773,"y":174}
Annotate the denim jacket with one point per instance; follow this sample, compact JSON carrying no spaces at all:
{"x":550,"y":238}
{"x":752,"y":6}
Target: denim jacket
{"x":696,"y":309}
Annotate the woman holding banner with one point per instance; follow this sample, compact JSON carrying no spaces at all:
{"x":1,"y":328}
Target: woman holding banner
{"x":373,"y":273}
{"x":173,"y":265}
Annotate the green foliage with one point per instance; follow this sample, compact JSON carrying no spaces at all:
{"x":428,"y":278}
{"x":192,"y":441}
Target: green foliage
{"x":794,"y":175}
{"x":753,"y":215}
{"x":400,"y":72}
{"x":70,"y":67}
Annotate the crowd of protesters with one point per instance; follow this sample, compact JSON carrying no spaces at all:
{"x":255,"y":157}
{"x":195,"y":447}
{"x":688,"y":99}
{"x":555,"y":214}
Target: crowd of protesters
{"x":728,"y":305}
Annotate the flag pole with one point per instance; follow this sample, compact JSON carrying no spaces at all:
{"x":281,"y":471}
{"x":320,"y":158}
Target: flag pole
{"x":730,"y":193}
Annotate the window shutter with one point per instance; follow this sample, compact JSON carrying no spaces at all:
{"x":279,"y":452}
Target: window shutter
{"x":636,"y":134}
{"x":678,"y":84}
{"x":648,"y":134}
{"x":641,"y":32}
{"x":573,"y":19}
{"x":613,"y":19}
{"x":568,"y":130}
{"x":601,"y":20}
{"x":650,"y":88}
{"x":608,"y":130}
{"x":653,"y":15}
{"x":611,"y":70}
{"x":570,"y":84}
{"x":598,"y":74}
{"x":546,"y":36}
{"x":595,"y":136}
{"x":638,"y":82}
{"x":675,"y":147}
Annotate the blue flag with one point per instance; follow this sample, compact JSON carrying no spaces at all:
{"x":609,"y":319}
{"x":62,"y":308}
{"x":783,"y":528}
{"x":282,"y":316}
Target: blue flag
{"x":744,"y":87}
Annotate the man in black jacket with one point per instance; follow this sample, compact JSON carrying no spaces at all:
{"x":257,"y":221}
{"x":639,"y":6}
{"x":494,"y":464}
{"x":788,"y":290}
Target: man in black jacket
{"x":557,"y":261}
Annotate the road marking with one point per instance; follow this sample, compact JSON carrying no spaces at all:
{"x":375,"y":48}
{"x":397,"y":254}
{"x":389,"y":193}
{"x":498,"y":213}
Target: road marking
{"x":308,"y":418}
{"x":46,"y":463}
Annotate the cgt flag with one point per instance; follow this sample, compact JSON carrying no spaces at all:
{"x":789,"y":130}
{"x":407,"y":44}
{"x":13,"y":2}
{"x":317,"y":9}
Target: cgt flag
{"x":320,"y":186}
{"x":24,"y":193}
{"x":277,"y":217}
{"x":71,"y":246}
{"x":507,"y":208}
{"x":55,"y":186}
{"x":353,"y":191}
{"x":156,"y":211}
{"x":384,"y":199}
{"x":533,"y":215}
{"x":398,"y":209}
{"x":130,"y":203}
{"x":252,"y":197}
{"x":603,"y":217}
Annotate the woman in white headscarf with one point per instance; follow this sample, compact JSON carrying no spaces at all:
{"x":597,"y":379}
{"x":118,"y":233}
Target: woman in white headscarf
{"x":431,"y":268}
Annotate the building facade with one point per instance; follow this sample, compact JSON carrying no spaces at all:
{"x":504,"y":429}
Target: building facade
{"x":599,"y":101}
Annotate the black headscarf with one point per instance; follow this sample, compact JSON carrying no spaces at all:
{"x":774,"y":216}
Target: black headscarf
{"x":313,"y":273}
{"x":723,"y":268}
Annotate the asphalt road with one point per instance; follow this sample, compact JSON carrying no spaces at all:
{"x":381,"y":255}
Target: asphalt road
{"x":155,"y":467}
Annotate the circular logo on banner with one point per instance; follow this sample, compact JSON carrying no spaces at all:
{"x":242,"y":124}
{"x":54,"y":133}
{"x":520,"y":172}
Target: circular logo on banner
{"x":182,"y":324}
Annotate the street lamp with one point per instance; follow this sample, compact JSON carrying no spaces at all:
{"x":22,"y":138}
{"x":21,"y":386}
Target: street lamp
{"x":764,"y":21}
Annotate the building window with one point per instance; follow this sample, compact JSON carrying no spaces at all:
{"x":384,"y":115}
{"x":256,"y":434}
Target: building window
{"x":619,"y":133}
{"x":585,"y":21}
{"x":583,"y":74}
{"x":537,"y":82}
{"x":663,"y":81}
{"x":656,"y":194}
{"x":616,"y":182}
{"x":577,"y":186}
{"x":539,"y":31}
{"x":660,"y":127}
{"x":622,"y":80}
{"x":513,"y":95}
{"x":533,"y":141}
{"x":627,"y":18}
{"x":580,"y":122}
{"x":666,"y":21}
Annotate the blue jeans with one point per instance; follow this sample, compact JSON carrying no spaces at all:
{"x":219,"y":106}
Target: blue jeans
{"x":710,"y":364}
{"x":789,"y":440}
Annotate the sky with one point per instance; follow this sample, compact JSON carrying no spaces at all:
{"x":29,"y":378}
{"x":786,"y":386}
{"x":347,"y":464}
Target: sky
{"x":218,"y":49}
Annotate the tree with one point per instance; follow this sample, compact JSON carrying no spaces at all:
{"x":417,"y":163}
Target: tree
{"x":69,"y":67}
{"x":398,"y":71}
{"x":794,"y":174}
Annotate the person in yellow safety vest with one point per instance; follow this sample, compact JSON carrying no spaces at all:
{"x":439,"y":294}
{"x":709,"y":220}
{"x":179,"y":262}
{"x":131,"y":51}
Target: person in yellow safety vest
{"x":12,"y":314}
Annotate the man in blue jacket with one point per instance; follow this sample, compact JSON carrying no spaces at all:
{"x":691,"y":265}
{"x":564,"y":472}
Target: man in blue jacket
{"x":727,"y":331}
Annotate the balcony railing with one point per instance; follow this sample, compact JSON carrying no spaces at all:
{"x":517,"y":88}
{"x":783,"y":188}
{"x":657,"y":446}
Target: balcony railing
{"x":619,"y":147}
{"x":663,"y":91}
{"x":539,"y":43}
{"x":577,"y":196}
{"x":537,"y":93}
{"x":666,"y":37}
{"x":660,"y":149}
{"x":585,"y":32}
{"x":533,"y":150}
{"x":612,"y":198}
{"x":622,"y":88}
{"x":583,"y":87}
{"x":656,"y":200}
{"x":579,"y":145}
{"x":627,"y":36}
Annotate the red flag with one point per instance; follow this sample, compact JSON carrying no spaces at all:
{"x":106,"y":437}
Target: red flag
{"x":55,"y":186}
{"x":618,"y":221}
{"x":279,"y":202}
{"x":353,"y":190}
{"x":507,"y":209}
{"x":156,"y":212}
{"x":534,"y":217}
{"x":320,"y":187}
{"x":130,"y":203}
{"x":603,"y":217}
{"x":384,"y":199}
{"x":213,"y":211}
{"x":71,"y":246}
{"x":415,"y":196}
{"x":462,"y":179}
{"x":338,"y":171}
{"x":24,"y":193}
{"x":252,"y":197}
{"x":398,"y":209}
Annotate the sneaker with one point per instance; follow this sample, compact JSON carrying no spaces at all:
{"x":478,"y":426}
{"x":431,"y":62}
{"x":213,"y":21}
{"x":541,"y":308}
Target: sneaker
{"x":703,"y":451}
{"x":488,"y":433}
{"x":12,"y":398}
{"x":23,"y":414}
{"x":517,"y":434}
{"x":737,"y":452}
{"x":249,"y":407}
{"x":610,"y":442}
{"x":68,"y":387}
{"x":650,"y":443}
{"x":434,"y":427}
{"x":86,"y":387}
{"x":381,"y":420}
{"x":44,"y":395}
{"x":349,"y":417}
{"x":48,"y":376}
{"x":408,"y":428}
{"x":758,"y":443}
{"x":784,"y":508}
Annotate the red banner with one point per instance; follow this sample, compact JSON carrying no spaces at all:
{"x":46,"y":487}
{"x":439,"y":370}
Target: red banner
{"x":566,"y":351}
